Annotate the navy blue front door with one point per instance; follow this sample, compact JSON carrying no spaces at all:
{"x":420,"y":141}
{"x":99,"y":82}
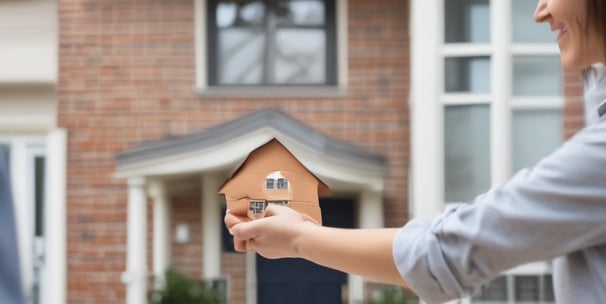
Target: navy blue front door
{"x":296,"y":281}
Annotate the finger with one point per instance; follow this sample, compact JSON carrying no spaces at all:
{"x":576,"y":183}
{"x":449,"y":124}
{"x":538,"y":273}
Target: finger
{"x":232,"y":220}
{"x":274,"y":209}
{"x":240,"y":245}
{"x":248,"y":230}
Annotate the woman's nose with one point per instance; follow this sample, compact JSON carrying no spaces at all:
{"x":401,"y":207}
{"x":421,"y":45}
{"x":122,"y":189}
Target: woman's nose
{"x":541,"y":13}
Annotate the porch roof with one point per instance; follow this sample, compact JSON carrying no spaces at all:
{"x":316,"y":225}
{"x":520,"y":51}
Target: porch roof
{"x":224,"y":146}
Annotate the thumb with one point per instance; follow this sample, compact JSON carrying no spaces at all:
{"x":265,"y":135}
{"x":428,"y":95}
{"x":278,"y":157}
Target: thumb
{"x":248,"y":230}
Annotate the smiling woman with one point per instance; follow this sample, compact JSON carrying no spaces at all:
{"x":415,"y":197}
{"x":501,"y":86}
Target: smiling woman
{"x":580,"y":32}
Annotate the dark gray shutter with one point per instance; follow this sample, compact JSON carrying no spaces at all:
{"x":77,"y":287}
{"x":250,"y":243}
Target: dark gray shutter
{"x":10,"y":278}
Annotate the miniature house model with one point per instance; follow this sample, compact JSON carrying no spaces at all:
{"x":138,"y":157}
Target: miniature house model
{"x":271,"y":174}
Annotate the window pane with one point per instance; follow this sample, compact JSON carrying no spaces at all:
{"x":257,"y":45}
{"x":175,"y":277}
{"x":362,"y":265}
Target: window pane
{"x":241,"y":13}
{"x":525,"y":30}
{"x":240,"y":56}
{"x":526,"y":288}
{"x":493,"y":291}
{"x":303,"y":12}
{"x":467,"y":151}
{"x":467,"y":21}
{"x":467,"y":74}
{"x":278,"y":42}
{"x":537,"y":76}
{"x":535,"y":134}
{"x":300,"y":56}
{"x":548,"y":294}
{"x":39,"y":194}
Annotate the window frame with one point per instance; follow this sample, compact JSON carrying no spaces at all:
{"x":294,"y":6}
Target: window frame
{"x":329,"y":28}
{"x":512,"y":290}
{"x":202,"y":87}
{"x":23,"y":153}
{"x":428,"y":100}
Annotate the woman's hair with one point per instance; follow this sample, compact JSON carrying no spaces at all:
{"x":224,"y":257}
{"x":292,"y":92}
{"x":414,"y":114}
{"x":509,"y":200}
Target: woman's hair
{"x":596,"y":16}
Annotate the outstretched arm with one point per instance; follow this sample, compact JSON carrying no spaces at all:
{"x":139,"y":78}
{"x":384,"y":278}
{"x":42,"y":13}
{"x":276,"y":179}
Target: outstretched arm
{"x":284,"y":233}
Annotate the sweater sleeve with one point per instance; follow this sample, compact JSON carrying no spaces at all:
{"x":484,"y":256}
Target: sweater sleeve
{"x":554,"y":208}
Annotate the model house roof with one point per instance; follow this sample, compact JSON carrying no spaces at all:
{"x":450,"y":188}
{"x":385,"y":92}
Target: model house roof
{"x":269,"y":164}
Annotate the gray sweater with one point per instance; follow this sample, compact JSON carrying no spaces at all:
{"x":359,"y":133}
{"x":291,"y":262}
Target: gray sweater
{"x":555,"y":210}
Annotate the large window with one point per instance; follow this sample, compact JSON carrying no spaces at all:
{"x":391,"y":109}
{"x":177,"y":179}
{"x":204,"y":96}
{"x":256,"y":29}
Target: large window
{"x":271,"y":42}
{"x":532,"y":99}
{"x":486,"y":101}
{"x":530,"y":102}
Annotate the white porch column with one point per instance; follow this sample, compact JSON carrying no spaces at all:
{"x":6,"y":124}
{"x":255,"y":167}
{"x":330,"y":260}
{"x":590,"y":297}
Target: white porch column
{"x":426,"y":109}
{"x":369,"y":217}
{"x":23,"y":211}
{"x":501,"y":84}
{"x":54,"y":276}
{"x":211,"y":231}
{"x":136,"y":263}
{"x":251,"y":278}
{"x":161,"y":256}
{"x":371,"y":210}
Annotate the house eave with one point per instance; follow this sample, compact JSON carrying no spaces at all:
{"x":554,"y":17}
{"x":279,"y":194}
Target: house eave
{"x":225,"y":156}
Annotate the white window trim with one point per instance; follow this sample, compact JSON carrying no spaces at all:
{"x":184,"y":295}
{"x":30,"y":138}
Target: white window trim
{"x":465,"y":99}
{"x":203,"y":89}
{"x":427,"y":101}
{"x":453,"y":50}
{"x":23,"y":150}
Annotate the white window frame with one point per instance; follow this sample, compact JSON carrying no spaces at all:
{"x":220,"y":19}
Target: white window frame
{"x":428,"y":99}
{"x":202,"y":87}
{"x":536,"y":269}
{"x":24,"y":149}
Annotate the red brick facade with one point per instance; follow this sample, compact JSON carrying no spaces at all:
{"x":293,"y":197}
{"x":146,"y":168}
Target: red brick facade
{"x":127,"y":73}
{"x":574,"y":118}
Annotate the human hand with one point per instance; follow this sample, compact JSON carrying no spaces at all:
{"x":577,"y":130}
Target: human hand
{"x":274,"y":236}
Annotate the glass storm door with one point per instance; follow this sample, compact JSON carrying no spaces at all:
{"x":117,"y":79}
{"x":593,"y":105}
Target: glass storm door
{"x":27,"y":162}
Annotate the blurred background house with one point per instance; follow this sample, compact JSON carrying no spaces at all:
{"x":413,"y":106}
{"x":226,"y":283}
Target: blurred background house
{"x":111,"y":110}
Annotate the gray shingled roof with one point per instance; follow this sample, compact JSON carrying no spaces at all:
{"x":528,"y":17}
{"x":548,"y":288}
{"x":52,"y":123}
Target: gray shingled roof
{"x":266,"y":118}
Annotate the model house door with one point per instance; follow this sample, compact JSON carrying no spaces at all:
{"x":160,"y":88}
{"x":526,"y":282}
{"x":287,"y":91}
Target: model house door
{"x":298,"y":281}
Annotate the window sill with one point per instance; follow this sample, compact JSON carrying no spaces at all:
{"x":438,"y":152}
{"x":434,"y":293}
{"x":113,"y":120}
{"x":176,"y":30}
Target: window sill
{"x":273,"y":92}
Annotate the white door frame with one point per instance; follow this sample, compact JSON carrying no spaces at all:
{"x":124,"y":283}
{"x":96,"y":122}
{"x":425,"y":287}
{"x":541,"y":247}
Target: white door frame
{"x":24,"y":149}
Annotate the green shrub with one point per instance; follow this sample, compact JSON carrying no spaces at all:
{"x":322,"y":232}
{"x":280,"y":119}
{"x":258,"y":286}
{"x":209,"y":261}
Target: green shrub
{"x":391,"y":295}
{"x":181,"y":289}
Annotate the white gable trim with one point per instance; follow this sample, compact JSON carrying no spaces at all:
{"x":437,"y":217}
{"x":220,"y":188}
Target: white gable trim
{"x":337,"y":174}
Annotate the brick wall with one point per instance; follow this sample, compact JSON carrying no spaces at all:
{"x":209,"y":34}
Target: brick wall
{"x":187,"y":257}
{"x":574,"y":117}
{"x":126,"y":75}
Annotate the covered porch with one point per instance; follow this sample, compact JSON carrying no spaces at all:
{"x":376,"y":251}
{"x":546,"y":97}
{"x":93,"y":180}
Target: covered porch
{"x":160,"y":170}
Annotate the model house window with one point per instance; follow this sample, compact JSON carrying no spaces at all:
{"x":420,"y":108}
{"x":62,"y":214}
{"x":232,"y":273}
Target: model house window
{"x":270,"y":183}
{"x":275,"y":181}
{"x":281,"y":203}
{"x":282,"y":183}
{"x":258,"y":205}
{"x":271,"y":42}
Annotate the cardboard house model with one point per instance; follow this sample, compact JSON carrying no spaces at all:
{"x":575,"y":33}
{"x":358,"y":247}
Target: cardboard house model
{"x":271,"y":174}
